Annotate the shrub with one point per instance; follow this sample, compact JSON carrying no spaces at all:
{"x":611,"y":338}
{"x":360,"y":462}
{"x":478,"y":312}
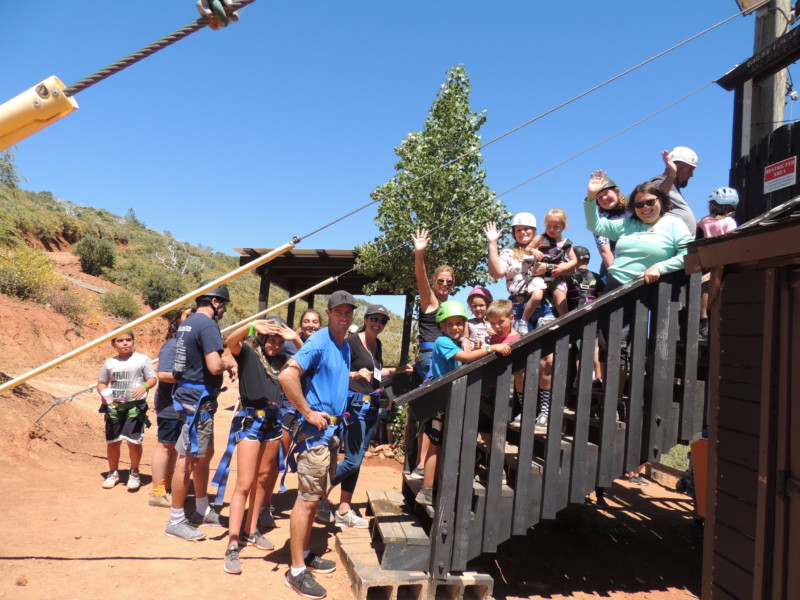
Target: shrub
{"x":161,"y":286}
{"x":96,"y":254}
{"x":26,"y":274}
{"x":121,"y":305}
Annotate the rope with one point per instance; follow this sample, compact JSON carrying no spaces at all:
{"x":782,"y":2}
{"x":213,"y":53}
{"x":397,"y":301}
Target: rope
{"x":527,"y":123}
{"x":131,"y":59}
{"x":57,"y":401}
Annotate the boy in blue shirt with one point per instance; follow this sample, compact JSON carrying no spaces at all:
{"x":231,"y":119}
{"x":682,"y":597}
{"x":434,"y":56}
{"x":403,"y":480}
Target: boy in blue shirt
{"x":448,"y":355}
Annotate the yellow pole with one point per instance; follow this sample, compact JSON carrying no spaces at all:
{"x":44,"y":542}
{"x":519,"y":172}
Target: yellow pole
{"x":280,"y":304}
{"x":33,"y":110}
{"x":148,"y":317}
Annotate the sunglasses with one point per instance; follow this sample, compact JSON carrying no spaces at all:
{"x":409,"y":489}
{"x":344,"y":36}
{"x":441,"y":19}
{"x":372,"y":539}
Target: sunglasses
{"x":378,"y":319}
{"x":445,"y":281}
{"x":647,"y":203}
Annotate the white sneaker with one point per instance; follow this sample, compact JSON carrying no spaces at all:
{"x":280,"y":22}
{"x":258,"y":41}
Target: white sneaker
{"x":350,"y":519}
{"x":133,"y":480}
{"x":111,"y":480}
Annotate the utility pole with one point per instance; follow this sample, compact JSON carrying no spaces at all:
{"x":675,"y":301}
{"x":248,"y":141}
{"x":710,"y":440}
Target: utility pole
{"x":768,"y":97}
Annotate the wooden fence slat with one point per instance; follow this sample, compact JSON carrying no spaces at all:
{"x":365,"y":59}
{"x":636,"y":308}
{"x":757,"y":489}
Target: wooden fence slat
{"x":578,"y":489}
{"x":463,"y":530}
{"x":691,"y":390}
{"x":608,"y":437}
{"x":638,"y":355}
{"x":527,"y":507}
{"x":443,"y":527}
{"x":556,"y":468}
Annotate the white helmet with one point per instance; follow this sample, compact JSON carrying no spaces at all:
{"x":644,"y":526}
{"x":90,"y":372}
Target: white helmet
{"x":524,"y":219}
{"x":685,"y":155}
{"x":724,"y":195}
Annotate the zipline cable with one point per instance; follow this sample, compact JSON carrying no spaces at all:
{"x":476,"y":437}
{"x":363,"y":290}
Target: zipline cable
{"x":477,"y":149}
{"x":164,"y":42}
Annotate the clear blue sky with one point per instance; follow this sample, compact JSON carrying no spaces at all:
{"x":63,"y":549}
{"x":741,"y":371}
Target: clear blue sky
{"x":284,"y":121}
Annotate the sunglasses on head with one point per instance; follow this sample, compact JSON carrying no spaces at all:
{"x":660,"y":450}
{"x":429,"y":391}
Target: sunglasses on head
{"x":647,"y":203}
{"x":378,"y":319}
{"x":444,"y":281}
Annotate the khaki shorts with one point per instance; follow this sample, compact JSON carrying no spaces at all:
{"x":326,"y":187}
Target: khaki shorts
{"x":205,"y":439}
{"x":316,"y":469}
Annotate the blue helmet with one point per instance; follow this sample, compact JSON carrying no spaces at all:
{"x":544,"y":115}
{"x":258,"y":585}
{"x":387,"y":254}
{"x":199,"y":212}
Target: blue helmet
{"x":724,"y":196}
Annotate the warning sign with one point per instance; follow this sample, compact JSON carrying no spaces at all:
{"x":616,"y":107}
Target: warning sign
{"x":780,"y":175}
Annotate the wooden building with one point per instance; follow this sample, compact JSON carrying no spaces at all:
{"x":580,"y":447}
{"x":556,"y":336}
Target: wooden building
{"x":752,"y":536}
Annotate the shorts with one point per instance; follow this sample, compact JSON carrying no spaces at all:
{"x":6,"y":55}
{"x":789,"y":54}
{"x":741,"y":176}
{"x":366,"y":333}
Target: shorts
{"x":433,"y":429}
{"x":267,"y":430}
{"x":316,"y":469}
{"x":288,"y":415}
{"x":126,"y":428}
{"x":168,"y":430}
{"x":204,"y":431}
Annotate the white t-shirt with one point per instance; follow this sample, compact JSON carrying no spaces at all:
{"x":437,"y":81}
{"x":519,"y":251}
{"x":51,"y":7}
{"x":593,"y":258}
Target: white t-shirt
{"x":124,"y":376}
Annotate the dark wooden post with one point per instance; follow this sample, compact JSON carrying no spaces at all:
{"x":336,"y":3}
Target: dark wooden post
{"x":408,"y":315}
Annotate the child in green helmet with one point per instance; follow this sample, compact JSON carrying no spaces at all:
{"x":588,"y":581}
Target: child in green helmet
{"x":447,"y":355}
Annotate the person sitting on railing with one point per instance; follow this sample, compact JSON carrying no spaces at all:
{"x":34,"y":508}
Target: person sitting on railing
{"x":516,"y":264}
{"x":650,"y":243}
{"x":447,"y":355}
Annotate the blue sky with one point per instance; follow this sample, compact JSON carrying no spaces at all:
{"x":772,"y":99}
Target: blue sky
{"x":287,"y":119}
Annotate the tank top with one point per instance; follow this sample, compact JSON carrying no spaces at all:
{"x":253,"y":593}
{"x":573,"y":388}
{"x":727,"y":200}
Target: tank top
{"x":428,"y":328}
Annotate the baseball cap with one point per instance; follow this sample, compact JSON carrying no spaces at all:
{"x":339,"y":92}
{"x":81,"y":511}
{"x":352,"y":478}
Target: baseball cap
{"x":377,"y":309}
{"x":340,"y":297}
{"x":582,"y":253}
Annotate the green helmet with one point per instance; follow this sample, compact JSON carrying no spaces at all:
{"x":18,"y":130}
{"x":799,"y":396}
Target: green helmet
{"x":451,"y":308}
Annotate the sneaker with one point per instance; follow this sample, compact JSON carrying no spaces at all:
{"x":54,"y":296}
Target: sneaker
{"x":134,"y":483}
{"x":541,"y":422}
{"x":111,"y":480}
{"x":350,"y":519}
{"x":265,"y":518}
{"x":424,"y":496}
{"x":232,"y":563}
{"x":325,"y":511}
{"x":418,"y":473}
{"x":257,"y":540}
{"x":305,"y":585}
{"x":522,"y":327}
{"x":317,"y":564}
{"x":211,"y":518}
{"x":160,"y":501}
{"x":184,"y":531}
{"x":517,"y":420}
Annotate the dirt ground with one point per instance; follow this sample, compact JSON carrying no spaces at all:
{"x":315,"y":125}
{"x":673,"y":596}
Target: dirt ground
{"x":65,"y":537}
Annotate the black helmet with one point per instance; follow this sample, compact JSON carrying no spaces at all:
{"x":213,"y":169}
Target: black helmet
{"x":221,"y":292}
{"x":275,"y":320}
{"x":582,"y":253}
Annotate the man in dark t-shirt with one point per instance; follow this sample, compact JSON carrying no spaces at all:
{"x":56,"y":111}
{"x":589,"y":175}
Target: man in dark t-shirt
{"x":197,"y":370}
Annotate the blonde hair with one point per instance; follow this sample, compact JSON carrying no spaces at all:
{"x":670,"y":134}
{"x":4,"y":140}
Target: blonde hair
{"x":500,"y":308}
{"x":443,"y":269}
{"x":558,"y":214}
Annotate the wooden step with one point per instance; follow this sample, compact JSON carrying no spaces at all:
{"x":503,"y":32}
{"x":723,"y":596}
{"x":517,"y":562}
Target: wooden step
{"x":398,"y":535}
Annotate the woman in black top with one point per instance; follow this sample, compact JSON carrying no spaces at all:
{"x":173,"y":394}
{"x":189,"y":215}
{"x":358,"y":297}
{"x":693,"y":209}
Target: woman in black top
{"x":257,"y":429}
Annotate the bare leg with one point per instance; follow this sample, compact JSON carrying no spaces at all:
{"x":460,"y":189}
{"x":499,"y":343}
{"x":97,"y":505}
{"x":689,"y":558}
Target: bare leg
{"x":201,"y":474}
{"x":248,"y":453}
{"x":532,"y":304}
{"x":113,"y":451}
{"x":560,"y":299}
{"x":267,"y":474}
{"x":271,"y":473}
{"x":300,"y":524}
{"x":135,"y":451}
{"x":430,"y":466}
{"x":180,"y":479}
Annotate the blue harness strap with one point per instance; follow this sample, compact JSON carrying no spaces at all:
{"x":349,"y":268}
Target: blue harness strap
{"x":203,"y":415}
{"x":315,"y":437}
{"x":220,"y":480}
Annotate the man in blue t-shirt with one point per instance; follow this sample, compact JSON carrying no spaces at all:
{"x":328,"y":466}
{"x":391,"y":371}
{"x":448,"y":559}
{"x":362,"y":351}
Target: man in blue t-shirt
{"x":197,"y":370}
{"x":324,"y":364}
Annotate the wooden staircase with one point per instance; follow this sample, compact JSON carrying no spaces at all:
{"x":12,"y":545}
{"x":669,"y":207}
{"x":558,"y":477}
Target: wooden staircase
{"x":420,"y":552}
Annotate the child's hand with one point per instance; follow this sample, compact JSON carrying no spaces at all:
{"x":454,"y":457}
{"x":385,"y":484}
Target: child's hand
{"x":503,"y":349}
{"x":138,"y":393}
{"x":492,"y":232}
{"x":596,"y":183}
{"x":477,"y":344}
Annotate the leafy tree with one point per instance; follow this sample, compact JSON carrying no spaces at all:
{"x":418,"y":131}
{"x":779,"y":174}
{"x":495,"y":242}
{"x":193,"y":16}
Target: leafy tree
{"x":8,"y":171}
{"x":121,"y":304}
{"x":454,"y":202}
{"x":161,"y":286}
{"x":96,"y":254}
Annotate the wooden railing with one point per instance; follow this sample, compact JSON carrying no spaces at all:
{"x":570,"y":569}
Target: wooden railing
{"x":586,"y":444}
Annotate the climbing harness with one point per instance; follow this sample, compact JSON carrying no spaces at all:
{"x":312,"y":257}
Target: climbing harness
{"x":203,"y":411}
{"x":244,"y":421}
{"x":311,"y":438}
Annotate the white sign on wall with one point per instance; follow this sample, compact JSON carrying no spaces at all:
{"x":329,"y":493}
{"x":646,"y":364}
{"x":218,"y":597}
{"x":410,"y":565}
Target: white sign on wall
{"x":780,"y":175}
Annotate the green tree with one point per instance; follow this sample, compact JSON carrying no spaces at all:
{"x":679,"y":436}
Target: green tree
{"x":96,"y":254}
{"x":8,"y":171}
{"x":454,"y":202}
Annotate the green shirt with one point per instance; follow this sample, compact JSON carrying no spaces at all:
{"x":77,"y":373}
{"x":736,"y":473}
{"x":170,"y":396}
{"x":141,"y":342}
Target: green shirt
{"x":639,"y":245}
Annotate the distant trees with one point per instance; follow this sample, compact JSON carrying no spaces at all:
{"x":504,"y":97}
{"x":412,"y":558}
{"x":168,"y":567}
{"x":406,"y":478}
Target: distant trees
{"x":454,"y":201}
{"x":8,"y":171}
